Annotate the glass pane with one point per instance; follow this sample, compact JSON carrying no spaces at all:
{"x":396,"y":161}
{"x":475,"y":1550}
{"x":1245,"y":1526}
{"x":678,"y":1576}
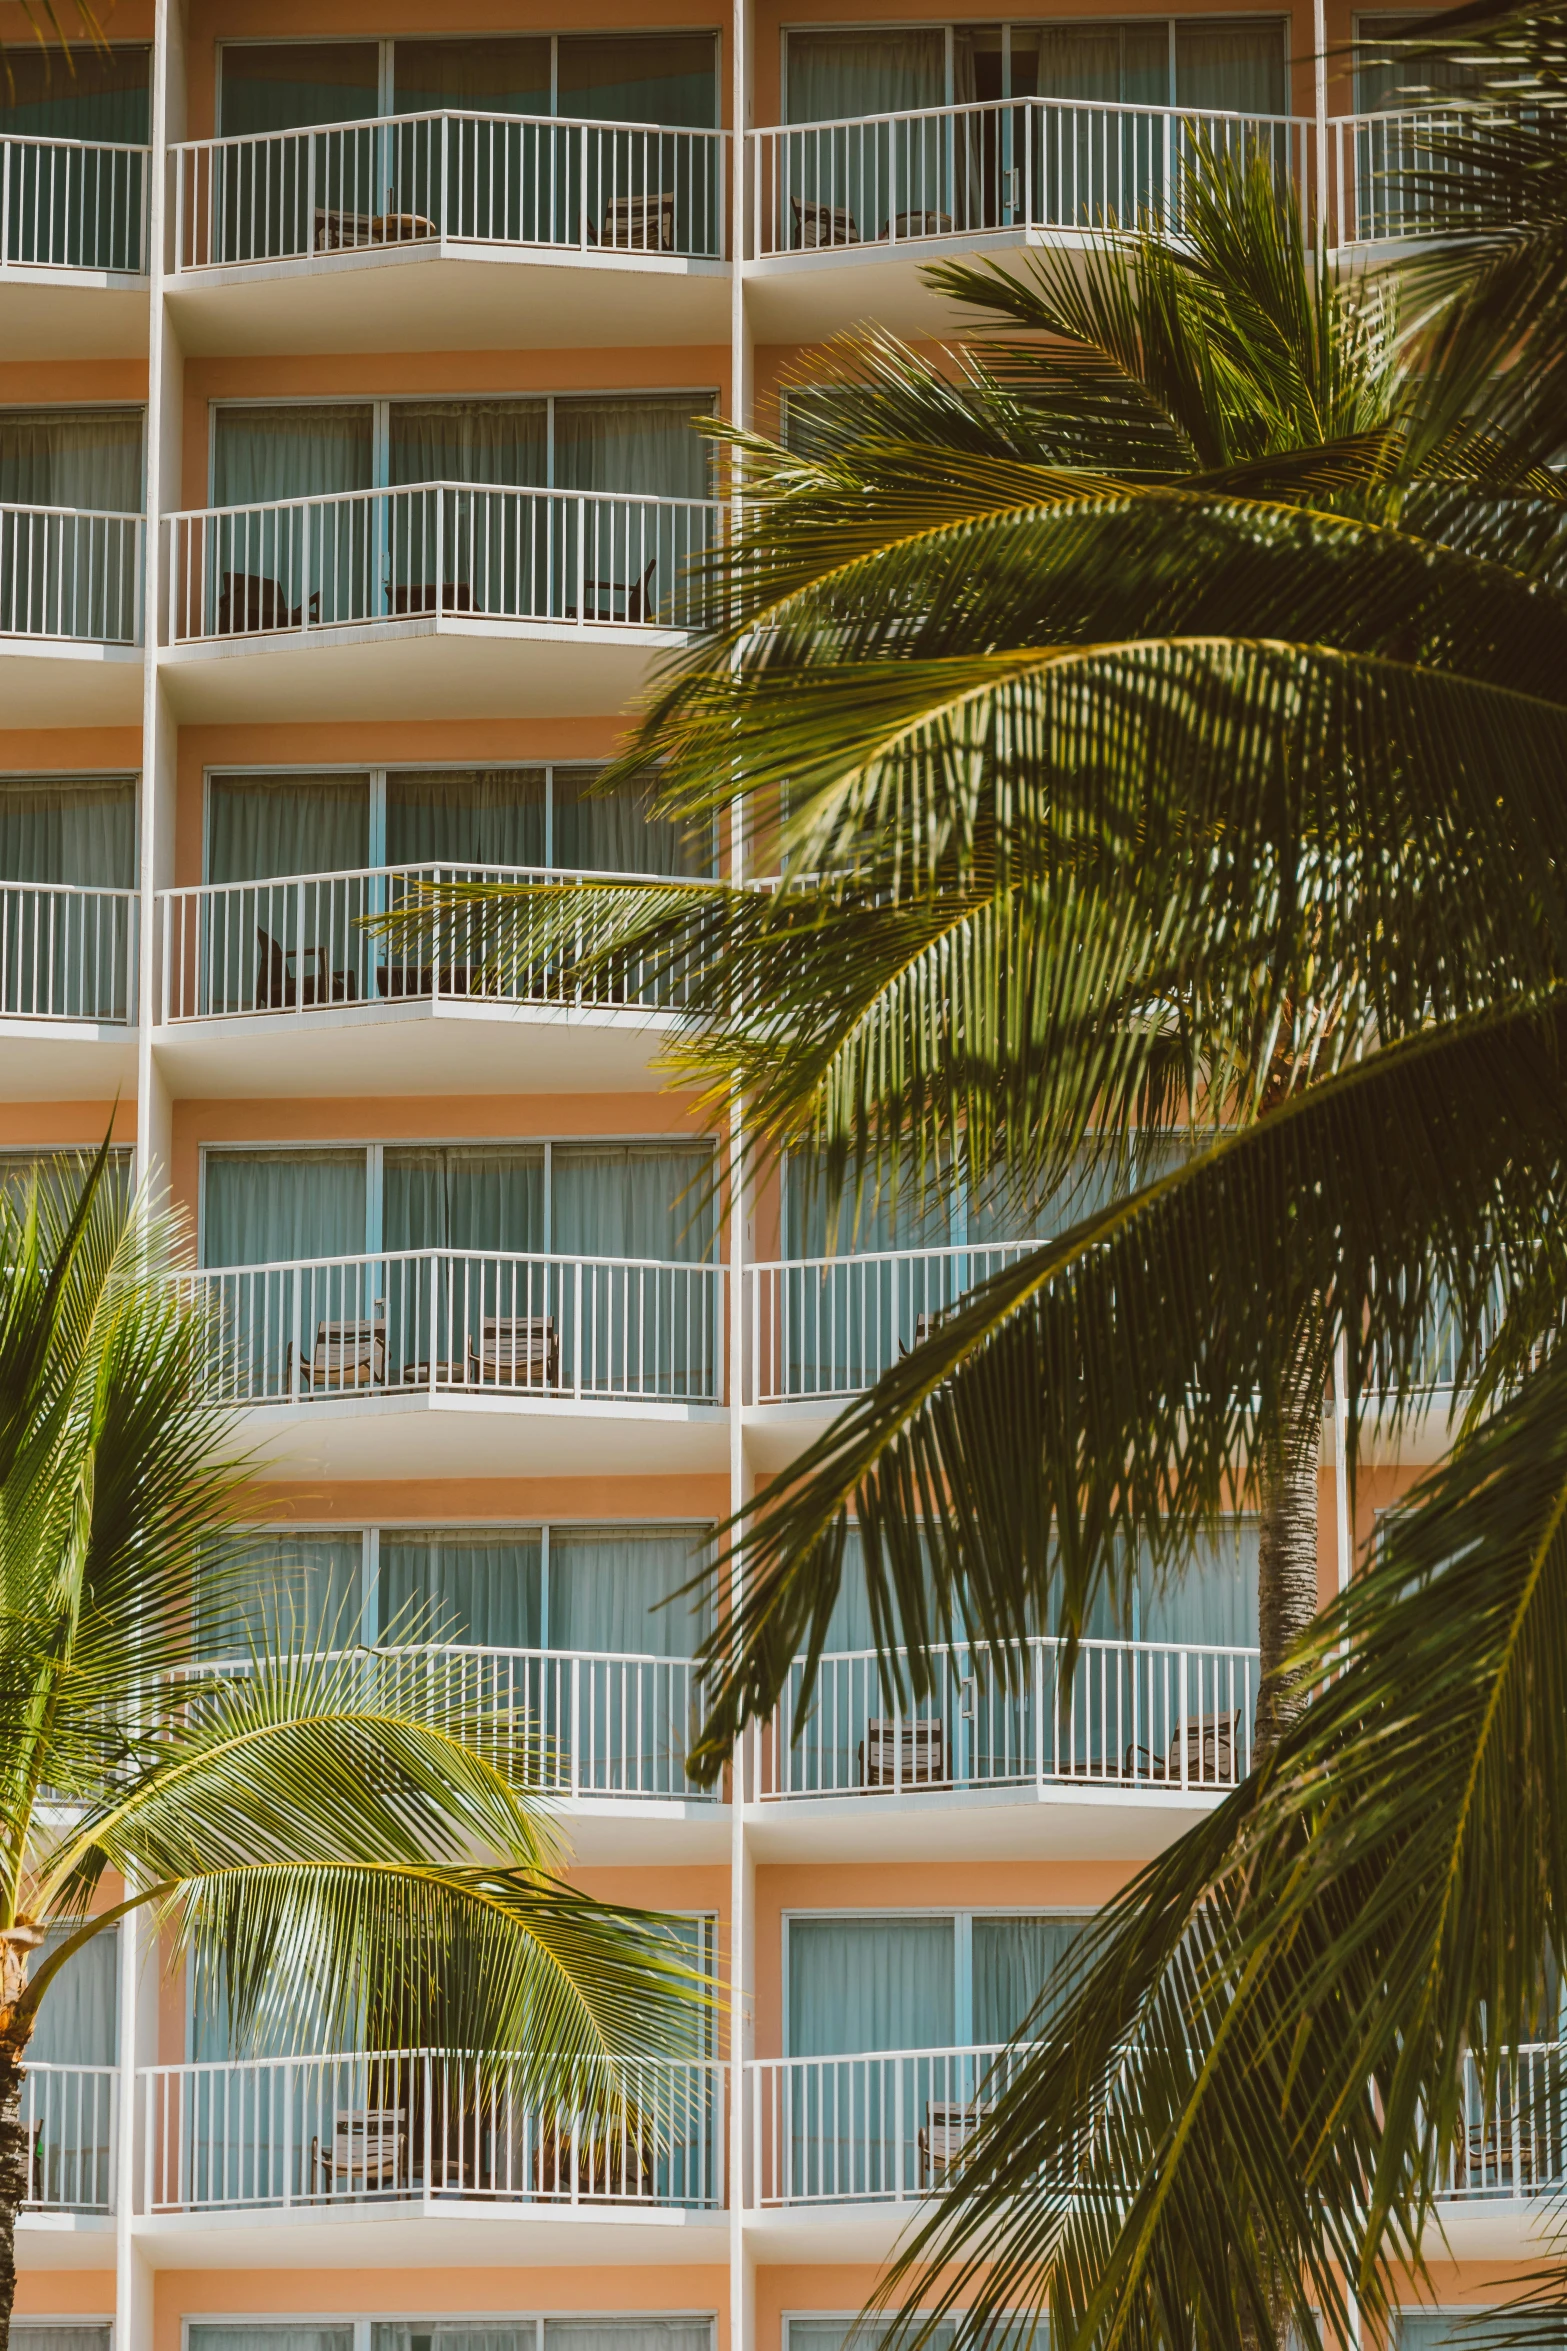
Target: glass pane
{"x":1391,"y":82}
{"x":645,"y":447}
{"x":612,"y":1590}
{"x":452,"y":2335}
{"x":285,"y":85}
{"x":1015,"y":1960}
{"x":61,"y":1174}
{"x":464,"y":1197}
{"x":95,"y":94}
{"x":476,"y":1590}
{"x":78,"y":2017}
{"x":505,"y":76}
{"x":298,"y":1592}
{"x":669,"y":79}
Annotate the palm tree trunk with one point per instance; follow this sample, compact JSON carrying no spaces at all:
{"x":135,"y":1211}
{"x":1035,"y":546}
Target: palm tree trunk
{"x":1286,"y":1563}
{"x":17,"y":1945}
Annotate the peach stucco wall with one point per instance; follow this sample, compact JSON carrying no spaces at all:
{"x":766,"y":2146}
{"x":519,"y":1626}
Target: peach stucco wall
{"x":389,"y":2292}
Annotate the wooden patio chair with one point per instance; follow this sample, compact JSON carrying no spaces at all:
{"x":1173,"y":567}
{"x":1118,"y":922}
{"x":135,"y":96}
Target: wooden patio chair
{"x":346,"y":1355}
{"x":640,"y":224}
{"x":950,"y":2124}
{"x":903,"y":1754}
{"x":347,"y":232}
{"x":519,"y":1351}
{"x":1212,"y":1747}
{"x":636,"y":595}
{"x":250,"y":604}
{"x":816,"y":225}
{"x":369,"y":2150}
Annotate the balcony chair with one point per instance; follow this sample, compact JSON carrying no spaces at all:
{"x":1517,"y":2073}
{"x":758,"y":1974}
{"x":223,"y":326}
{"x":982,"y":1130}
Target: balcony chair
{"x":918,"y":224}
{"x":250,"y":603}
{"x":396,"y":980}
{"x":903,"y":1754}
{"x":616,"y":2165}
{"x":518,"y":1351}
{"x":369,"y":2150}
{"x":949,"y":2127}
{"x":344,"y":232}
{"x":427,"y":596}
{"x":346,"y":1355}
{"x":822,"y":224}
{"x":1212,"y":1747}
{"x":640,"y":224}
{"x":638,"y":596}
{"x":278,"y":989}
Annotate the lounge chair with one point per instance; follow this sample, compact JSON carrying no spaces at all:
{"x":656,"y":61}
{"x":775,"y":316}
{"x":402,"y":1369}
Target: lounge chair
{"x":518,"y":1351}
{"x":1212,"y":1747}
{"x":822,"y":224}
{"x":642,"y":224}
{"x":343,"y":232}
{"x":637,"y":596}
{"x":346,"y":1355}
{"x":369,"y":2150}
{"x":903,"y":1754}
{"x":949,"y":2127}
{"x":250,"y":604}
{"x":918,"y":224}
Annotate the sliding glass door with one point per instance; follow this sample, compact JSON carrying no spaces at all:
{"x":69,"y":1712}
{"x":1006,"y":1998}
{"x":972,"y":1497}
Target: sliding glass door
{"x":289,"y":548}
{"x":274,"y":1209}
{"x":279,"y":195}
{"x":278,"y":932}
{"x":64,"y":955}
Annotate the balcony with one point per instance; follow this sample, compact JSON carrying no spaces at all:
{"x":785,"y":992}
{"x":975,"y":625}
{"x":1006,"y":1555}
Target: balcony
{"x":70,"y":592}
{"x":847,"y":213}
{"x":308,"y":1011}
{"x":305,"y":239}
{"x":1118,"y":1758}
{"x":69,"y":2116}
{"x":73,"y":247}
{"x":67,"y":990}
{"x":511,"y":1362}
{"x":419,"y":600}
{"x":1385,"y":167}
{"x":265,"y":2152}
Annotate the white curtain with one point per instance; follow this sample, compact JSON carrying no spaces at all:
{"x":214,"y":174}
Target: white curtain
{"x":269,"y":2336}
{"x":274,"y":1208}
{"x":262,"y":946}
{"x":1430,"y":2330}
{"x":1237,"y":65}
{"x":478,"y":1589}
{"x":63,"y":578}
{"x":453,"y":2335}
{"x":69,"y":830}
{"x":276,"y":454}
{"x":643,"y":446}
{"x":485,"y":1199}
{"x":628,"y":2334}
{"x":1015,"y":1960}
{"x":61,"y":1174}
{"x":497,"y":441}
{"x":466,"y":816}
{"x":632,"y":1200}
{"x":64,"y":956}
{"x":36,"y":2335}
{"x":870,"y":1983}
{"x":78,"y":2017}
{"x":608,"y":1589}
{"x":1210,"y":1602}
{"x":260,"y":827}
{"x":294,"y":559}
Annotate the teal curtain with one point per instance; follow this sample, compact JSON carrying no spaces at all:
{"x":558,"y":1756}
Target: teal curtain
{"x":871,"y":1983}
{"x":91,"y":94}
{"x":507,"y":74}
{"x":1233,"y":64}
{"x":484,"y":1199}
{"x":494,"y":552}
{"x":290,"y":85}
{"x":452,"y":2335}
{"x":1431,"y":2330}
{"x":477,"y":1589}
{"x":486,"y":816}
{"x":300,"y":1592}
{"x":61,"y":1173}
{"x":844,"y":1323}
{"x":615,"y":832}
{"x":60,"y":955}
{"x":1088,"y":168}
{"x":297,"y":558}
{"x":853,"y":184}
{"x":38,"y":2335}
{"x":78,"y":2017}
{"x":273,"y":1208}
{"x":839,"y":77}
{"x":59,"y":576}
{"x":1015,"y":1960}
{"x":1213,"y":1600}
{"x":292,"y":938}
{"x":642,"y":445}
{"x":77,"y":207}
{"x":628,"y":2334}
{"x":498,"y":185}
{"x":612,"y":1590}
{"x":997,"y":1215}
{"x":665,"y":78}
{"x":1387,"y":80}
{"x":641,"y":190}
{"x":269,"y":2335}
{"x":652,"y":1327}
{"x":633,"y":560}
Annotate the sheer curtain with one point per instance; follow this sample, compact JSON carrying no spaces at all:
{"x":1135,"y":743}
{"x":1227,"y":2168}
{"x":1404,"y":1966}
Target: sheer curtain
{"x":508,"y":73}
{"x":643,"y":446}
{"x":260,"y":946}
{"x":666,"y":78}
{"x":288,"y":85}
{"x":84,"y":211}
{"x":854,"y":184}
{"x":838,"y":77}
{"x":612,"y":1590}
{"x":300,"y":1592}
{"x":1235,"y":64}
{"x":637,"y":557}
{"x":452,"y":2335}
{"x":1091,"y":167}
{"x":274,"y":1208}
{"x":637,"y":1200}
{"x":1213,"y":1601}
{"x":269,"y":2335}
{"x":261,"y":827}
{"x":870,"y":1983}
{"x":78,"y":2017}
{"x":88,"y":458}
{"x":494,"y":553}
{"x":844,"y":1322}
{"x":485,"y":1199}
{"x":94,"y":94}
{"x":660,"y":78}
{"x":628,"y":2334}
{"x":71,"y":579}
{"x":477,"y":1589}
{"x":599,"y":832}
{"x":65,"y":956}
{"x":283,"y":458}
{"x":60,"y":1174}
{"x":39,"y":2335}
{"x":487,"y":816}
{"x":1014,"y":1961}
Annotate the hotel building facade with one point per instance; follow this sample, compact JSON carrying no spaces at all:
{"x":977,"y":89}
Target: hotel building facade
{"x":348,"y":358}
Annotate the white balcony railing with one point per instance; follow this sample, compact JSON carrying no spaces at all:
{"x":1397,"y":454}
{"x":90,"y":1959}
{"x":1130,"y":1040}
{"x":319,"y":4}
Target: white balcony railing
{"x":300,"y":565}
{"x":1396,"y":175}
{"x":1018,"y":163}
{"x":67,"y":954}
{"x":884,"y":2128}
{"x":425,"y":2124}
{"x":68,"y":2121}
{"x":297,"y":945}
{"x":600,"y":1725}
{"x":65,"y":572}
{"x":597,"y":188}
{"x":470,"y":1323}
{"x":1144,"y":1716}
{"x":68,"y":204}
{"x":830,"y":1326}
{"x":1513,"y":2140}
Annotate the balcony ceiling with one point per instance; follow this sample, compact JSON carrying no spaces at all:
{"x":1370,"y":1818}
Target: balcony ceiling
{"x":72,"y":314}
{"x":413,"y":1048}
{"x":65,"y":1061}
{"x":429,"y":667}
{"x":411,"y":1435}
{"x":51,"y":683}
{"x":440,"y":298}
{"x":447,"y":2234}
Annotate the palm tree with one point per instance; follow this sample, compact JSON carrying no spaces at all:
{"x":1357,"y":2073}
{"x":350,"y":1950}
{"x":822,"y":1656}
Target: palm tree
{"x":1164,"y":726}
{"x":333,"y":1856}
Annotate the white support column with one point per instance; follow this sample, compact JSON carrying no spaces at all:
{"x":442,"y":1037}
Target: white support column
{"x":1344,"y":1544}
{"x":160,"y":735}
{"x":1319,"y":70}
{"x":137,"y":2022}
